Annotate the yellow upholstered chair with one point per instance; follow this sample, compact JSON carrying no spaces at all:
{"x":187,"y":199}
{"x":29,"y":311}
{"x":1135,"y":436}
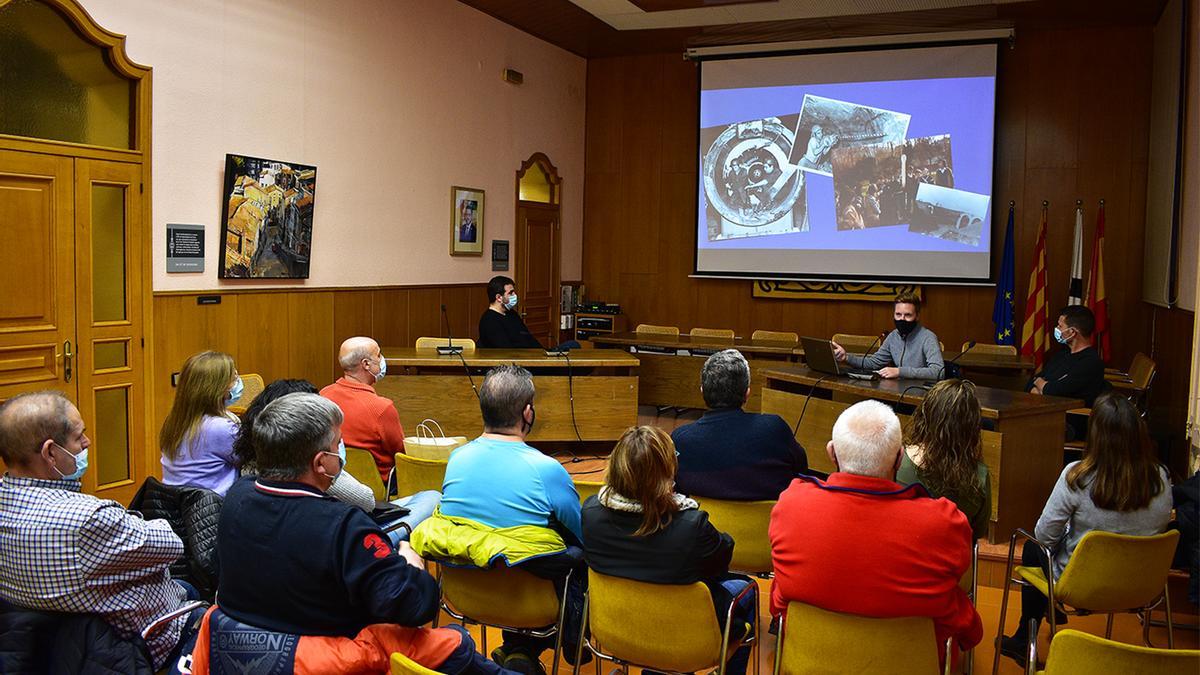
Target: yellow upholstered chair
{"x":651,"y":329}
{"x":829,"y":642}
{"x":587,"y":488}
{"x":402,"y":665}
{"x":775,"y":336}
{"x":503,"y":597}
{"x":856,"y":343}
{"x":628,"y":619}
{"x":467,"y":344}
{"x":989,"y":349}
{"x":360,"y":463}
{"x":1073,"y":651}
{"x":414,"y":474}
{"x":712,"y":333}
{"x":252,"y":386}
{"x":1107,"y":573}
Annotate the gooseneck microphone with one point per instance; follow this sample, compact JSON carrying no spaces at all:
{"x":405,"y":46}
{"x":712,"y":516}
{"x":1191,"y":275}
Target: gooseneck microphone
{"x":949,"y":368}
{"x":449,"y":347}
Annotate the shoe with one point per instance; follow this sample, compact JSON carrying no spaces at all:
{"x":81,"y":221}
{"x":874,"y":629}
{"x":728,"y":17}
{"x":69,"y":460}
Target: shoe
{"x":1015,"y":649}
{"x":518,"y":662}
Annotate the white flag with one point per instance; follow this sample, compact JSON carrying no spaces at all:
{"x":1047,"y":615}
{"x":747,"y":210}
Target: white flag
{"x":1075,"y":292}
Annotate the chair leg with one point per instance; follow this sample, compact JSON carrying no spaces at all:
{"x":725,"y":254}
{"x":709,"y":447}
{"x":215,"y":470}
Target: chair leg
{"x":1003,"y":615}
{"x":756,"y":648}
{"x":1170,"y":622}
{"x":1144,"y":615}
{"x":483,"y":639}
{"x":1108,"y":627}
{"x":779,"y":646}
{"x":583,"y":622}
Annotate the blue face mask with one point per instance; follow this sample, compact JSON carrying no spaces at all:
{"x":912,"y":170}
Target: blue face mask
{"x":235,"y":392}
{"x":341,"y":455}
{"x":1059,"y":336}
{"x":511,"y":302}
{"x":81,"y":464}
{"x":382,"y":368}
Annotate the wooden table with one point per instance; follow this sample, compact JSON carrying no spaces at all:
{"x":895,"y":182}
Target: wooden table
{"x":670,"y":373}
{"x":603,"y":384}
{"x":1025,"y":455}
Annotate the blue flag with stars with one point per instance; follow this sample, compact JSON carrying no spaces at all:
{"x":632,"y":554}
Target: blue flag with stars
{"x":1002,"y":310}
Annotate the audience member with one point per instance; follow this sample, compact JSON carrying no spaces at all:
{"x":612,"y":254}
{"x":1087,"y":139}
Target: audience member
{"x":372,"y":422}
{"x":1118,"y":486}
{"x":894,"y":358}
{"x":345,"y":488}
{"x":504,"y":500}
{"x":861,"y":544}
{"x":730,"y":453}
{"x":639,"y":528}
{"x":296,"y":562}
{"x":196,"y":439}
{"x":944,"y":452}
{"x":501,"y":326}
{"x":64,"y":551}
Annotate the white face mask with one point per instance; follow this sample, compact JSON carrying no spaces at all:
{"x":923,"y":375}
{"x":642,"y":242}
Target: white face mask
{"x":382,"y":368}
{"x":511,"y":302}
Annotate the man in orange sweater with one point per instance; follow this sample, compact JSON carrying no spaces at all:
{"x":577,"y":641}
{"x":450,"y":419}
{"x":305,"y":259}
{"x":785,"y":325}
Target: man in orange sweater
{"x":372,"y":422}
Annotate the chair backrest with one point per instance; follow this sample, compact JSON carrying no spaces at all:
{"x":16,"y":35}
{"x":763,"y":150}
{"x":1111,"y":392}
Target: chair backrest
{"x":361,"y":464}
{"x":587,"y":488}
{"x":630,"y":628}
{"x":993,"y":350}
{"x":402,"y":665}
{"x":500,"y":596}
{"x":1116,"y":572}
{"x":252,"y":386}
{"x":747,"y":523}
{"x":824,"y":641}
{"x":714,"y":333}
{"x":1141,"y":370}
{"x":467,"y":344}
{"x":414,"y":474}
{"x":1073,"y":651}
{"x":651,"y":329}
{"x":856,"y":343}
{"x":775,"y":336}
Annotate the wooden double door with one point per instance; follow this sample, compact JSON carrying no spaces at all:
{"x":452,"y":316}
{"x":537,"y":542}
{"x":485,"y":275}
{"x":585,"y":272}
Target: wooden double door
{"x":71,"y":315}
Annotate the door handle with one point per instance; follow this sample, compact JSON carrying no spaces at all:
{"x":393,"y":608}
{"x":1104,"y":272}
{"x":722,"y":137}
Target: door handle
{"x":67,"y":359}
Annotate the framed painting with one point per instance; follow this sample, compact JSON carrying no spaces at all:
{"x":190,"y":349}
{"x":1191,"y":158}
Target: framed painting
{"x":267,"y":208}
{"x":466,"y":221}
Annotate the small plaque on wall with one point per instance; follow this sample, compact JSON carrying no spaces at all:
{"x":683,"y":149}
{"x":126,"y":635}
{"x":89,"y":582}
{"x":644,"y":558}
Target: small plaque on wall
{"x":185,"y":248}
{"x":499,"y":255}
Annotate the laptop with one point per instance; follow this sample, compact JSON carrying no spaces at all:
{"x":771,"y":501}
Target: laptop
{"x":819,"y":355}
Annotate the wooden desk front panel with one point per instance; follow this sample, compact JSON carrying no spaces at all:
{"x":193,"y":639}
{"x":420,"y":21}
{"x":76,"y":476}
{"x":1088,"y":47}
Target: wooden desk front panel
{"x":605,"y":405}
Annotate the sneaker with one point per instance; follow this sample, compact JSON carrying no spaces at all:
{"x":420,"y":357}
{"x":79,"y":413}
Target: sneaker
{"x":518,"y":662}
{"x":1015,"y":649}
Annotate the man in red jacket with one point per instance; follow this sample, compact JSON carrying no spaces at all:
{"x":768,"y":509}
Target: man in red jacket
{"x":372,"y":422}
{"x":859,"y":543}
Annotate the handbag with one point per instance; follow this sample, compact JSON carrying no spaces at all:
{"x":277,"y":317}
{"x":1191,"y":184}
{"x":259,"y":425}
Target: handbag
{"x":429,"y":445}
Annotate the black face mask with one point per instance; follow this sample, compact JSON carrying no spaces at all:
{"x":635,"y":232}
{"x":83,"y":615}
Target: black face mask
{"x":905,"y":327}
{"x":532,"y":419}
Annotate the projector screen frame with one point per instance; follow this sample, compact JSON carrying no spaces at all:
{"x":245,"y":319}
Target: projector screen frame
{"x":997,"y":40}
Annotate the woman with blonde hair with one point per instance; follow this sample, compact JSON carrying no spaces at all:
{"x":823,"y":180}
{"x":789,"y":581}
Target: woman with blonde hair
{"x":944,"y":452}
{"x":197,"y":437}
{"x":639,"y":528}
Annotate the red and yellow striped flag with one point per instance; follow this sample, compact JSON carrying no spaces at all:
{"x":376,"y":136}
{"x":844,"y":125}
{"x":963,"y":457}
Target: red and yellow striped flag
{"x":1097,"y":301}
{"x":1034,"y":338}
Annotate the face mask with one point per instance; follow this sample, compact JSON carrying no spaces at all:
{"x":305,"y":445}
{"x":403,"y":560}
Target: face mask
{"x":81,"y":464}
{"x":382,"y":368}
{"x":341,"y":455}
{"x":1059,"y":336}
{"x":511,"y":302}
{"x":532,"y":419}
{"x":235,"y":392}
{"x":905,"y":327}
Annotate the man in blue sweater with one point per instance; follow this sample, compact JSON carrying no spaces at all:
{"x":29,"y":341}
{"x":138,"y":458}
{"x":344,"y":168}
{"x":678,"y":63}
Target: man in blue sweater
{"x":730,"y":453}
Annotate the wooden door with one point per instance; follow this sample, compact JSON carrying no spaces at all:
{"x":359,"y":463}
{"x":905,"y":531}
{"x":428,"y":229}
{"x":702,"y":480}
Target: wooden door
{"x":538,"y":269}
{"x":37,"y":273}
{"x":109,"y":317}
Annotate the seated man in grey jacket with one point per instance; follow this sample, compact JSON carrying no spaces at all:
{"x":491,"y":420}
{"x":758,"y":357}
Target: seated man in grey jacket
{"x":910,"y":351}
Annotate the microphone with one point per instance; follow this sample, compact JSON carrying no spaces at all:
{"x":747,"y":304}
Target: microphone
{"x":949,"y":368}
{"x":449,"y":347}
{"x":865,"y":354}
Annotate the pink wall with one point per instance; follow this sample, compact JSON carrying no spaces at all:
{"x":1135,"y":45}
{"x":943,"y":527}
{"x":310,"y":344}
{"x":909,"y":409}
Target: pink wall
{"x":394,"y":101}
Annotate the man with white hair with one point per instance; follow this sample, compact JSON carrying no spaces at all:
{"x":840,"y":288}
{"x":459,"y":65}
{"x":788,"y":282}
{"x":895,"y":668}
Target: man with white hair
{"x":372,"y":422}
{"x":859,"y":543}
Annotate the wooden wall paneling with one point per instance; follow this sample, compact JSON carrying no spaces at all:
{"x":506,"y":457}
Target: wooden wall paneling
{"x":262,"y":347}
{"x":1055,"y":91}
{"x":460,"y":311}
{"x":424,"y":314}
{"x":641,"y":166}
{"x":389,"y":317}
{"x":1169,"y":397}
{"x":604,"y":114}
{"x":352,"y":315}
{"x":681,"y":81}
{"x":310,"y":336}
{"x":602,"y":209}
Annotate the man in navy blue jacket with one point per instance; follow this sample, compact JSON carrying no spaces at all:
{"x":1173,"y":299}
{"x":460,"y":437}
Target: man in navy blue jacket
{"x":730,"y":453}
{"x":295,"y":560}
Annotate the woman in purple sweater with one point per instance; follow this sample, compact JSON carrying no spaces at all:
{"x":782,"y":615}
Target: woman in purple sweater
{"x":197,"y":437}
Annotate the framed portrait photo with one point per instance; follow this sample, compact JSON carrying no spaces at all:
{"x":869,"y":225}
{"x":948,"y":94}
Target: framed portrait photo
{"x":466,"y":221}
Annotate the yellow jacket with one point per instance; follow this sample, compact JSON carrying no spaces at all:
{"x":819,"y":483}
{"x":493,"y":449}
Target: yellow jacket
{"x":463,"y":541}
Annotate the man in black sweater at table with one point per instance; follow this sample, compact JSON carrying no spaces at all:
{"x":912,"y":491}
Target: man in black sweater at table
{"x":1074,"y":372}
{"x":501,"y":326}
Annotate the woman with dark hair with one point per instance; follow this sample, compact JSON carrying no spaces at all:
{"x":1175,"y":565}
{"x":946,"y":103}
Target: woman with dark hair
{"x":639,"y":528}
{"x":1118,"y":487}
{"x":943,"y":451}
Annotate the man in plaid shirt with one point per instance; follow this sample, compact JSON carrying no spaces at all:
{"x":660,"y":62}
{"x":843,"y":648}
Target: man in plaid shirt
{"x":64,"y":551}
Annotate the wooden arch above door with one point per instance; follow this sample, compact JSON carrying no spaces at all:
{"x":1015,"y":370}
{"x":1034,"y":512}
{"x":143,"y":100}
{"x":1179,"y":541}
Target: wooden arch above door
{"x":537,"y":247}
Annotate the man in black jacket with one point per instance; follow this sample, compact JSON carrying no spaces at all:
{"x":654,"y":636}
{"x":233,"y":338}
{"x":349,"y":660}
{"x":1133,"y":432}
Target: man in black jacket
{"x":501,"y":325}
{"x":1077,"y":371}
{"x":295,"y":560}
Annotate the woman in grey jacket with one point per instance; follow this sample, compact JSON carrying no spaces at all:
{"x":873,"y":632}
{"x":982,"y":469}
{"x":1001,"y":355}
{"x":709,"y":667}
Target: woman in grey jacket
{"x":1118,"y":487}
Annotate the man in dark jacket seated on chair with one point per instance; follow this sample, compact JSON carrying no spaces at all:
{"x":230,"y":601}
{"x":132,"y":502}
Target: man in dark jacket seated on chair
{"x":730,"y":453}
{"x":294,"y":560}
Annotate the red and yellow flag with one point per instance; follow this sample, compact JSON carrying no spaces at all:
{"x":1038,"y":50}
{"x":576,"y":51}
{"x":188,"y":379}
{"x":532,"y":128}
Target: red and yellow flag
{"x":1034,"y":338}
{"x":1097,"y":301}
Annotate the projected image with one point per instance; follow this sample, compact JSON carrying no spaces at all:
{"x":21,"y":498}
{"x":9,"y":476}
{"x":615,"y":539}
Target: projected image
{"x":867,"y":186}
{"x":826,"y":124}
{"x":946,"y":213}
{"x":751,"y":185}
